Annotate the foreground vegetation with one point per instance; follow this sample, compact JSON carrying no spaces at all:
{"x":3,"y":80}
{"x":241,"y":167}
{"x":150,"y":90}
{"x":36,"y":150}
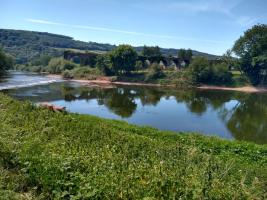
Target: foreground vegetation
{"x":46,"y":155}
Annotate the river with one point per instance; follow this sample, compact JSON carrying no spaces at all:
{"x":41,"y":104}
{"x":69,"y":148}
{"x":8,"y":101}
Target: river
{"x":226,"y":114}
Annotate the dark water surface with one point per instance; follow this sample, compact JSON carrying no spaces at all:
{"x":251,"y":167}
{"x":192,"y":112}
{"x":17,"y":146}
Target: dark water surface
{"x":226,"y":114}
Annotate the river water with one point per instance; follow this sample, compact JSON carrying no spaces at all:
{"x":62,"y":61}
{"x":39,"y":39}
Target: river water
{"x":227,"y":114}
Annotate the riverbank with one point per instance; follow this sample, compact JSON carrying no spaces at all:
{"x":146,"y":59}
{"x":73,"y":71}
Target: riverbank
{"x":247,"y":89}
{"x":105,"y":82}
{"x":56,"y":155}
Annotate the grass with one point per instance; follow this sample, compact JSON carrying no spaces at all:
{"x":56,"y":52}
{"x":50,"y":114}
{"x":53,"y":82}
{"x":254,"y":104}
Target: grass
{"x":46,"y":155}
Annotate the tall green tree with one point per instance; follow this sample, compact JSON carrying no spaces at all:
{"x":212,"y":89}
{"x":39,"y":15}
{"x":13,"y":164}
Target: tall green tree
{"x":43,"y":60}
{"x":123,"y":59}
{"x":151,"y":51}
{"x":185,"y":55}
{"x":103,"y":64}
{"x":6,"y":62}
{"x":204,"y":72}
{"x":251,"y":48}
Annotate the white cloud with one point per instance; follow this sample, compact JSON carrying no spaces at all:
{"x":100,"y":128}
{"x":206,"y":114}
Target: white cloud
{"x":189,"y":6}
{"x":225,"y":7}
{"x":38,"y":21}
{"x":102,"y":29}
{"x":245,"y":21}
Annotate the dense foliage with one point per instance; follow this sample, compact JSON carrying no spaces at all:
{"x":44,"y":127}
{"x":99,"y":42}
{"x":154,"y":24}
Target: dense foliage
{"x":252,"y":50}
{"x":46,"y":155}
{"x":152,"y":66}
{"x":6,"y":62}
{"x":123,"y":59}
{"x":151,"y":51}
{"x":185,"y":55}
{"x":28,"y":45}
{"x":86,"y":73}
{"x":205,"y":72}
{"x":59,"y":65}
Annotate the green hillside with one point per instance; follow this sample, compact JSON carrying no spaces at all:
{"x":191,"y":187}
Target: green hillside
{"x":27,"y":45}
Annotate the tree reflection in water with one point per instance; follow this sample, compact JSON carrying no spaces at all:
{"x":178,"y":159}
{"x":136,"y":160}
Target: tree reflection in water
{"x":246,"y":118}
{"x":244,"y":115}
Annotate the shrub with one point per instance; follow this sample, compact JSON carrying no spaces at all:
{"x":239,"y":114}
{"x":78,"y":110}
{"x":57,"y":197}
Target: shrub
{"x":139,"y":65}
{"x":6,"y":62}
{"x":104,"y":65}
{"x":82,"y":73}
{"x":58,"y":65}
{"x":43,"y":60}
{"x":155,"y":72}
{"x":36,"y":69}
{"x":123,"y":59}
{"x":204,"y":72}
{"x":67,"y":74}
{"x":221,"y":74}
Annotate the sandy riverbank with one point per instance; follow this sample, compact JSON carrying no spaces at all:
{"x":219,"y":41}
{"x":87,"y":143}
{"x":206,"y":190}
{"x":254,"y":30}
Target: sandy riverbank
{"x":247,"y":89}
{"x":106,"y":82}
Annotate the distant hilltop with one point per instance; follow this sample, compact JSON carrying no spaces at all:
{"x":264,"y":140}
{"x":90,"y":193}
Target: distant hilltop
{"x":27,"y":45}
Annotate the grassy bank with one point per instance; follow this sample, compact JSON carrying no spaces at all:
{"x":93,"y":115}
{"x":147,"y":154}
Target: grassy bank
{"x":46,"y":155}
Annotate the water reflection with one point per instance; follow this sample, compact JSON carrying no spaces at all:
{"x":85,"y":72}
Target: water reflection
{"x":225,"y":113}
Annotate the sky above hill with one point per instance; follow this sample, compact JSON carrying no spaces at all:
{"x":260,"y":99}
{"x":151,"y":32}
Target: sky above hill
{"x":210,"y":26}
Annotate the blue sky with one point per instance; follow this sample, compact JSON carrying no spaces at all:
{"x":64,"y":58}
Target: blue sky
{"x":210,"y":26}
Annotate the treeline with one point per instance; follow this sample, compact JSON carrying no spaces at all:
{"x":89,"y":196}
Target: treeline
{"x":245,"y":63}
{"x":29,"y":45}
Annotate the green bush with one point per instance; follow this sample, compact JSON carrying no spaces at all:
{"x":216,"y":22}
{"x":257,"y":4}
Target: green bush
{"x":123,"y":59}
{"x":154,"y":72}
{"x":104,"y":65}
{"x":221,"y":74}
{"x":58,"y":65}
{"x":6,"y":62}
{"x":67,"y":74}
{"x":139,"y":65}
{"x":204,"y":72}
{"x":82,"y":73}
{"x":43,"y":60}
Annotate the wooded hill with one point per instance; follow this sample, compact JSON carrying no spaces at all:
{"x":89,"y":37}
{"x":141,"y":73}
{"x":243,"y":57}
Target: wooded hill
{"x":27,"y":45}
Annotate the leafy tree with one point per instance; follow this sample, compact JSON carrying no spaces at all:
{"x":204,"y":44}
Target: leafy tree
{"x":58,"y":65}
{"x":154,"y":72}
{"x":221,"y":74}
{"x":201,"y":69}
{"x":139,"y":65}
{"x":88,"y":61}
{"x":123,"y":59}
{"x":185,"y":55}
{"x":251,"y":48}
{"x":204,"y":72}
{"x":103,"y":64}
{"x":151,"y":51}
{"x":6,"y":62}
{"x":43,"y":60}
